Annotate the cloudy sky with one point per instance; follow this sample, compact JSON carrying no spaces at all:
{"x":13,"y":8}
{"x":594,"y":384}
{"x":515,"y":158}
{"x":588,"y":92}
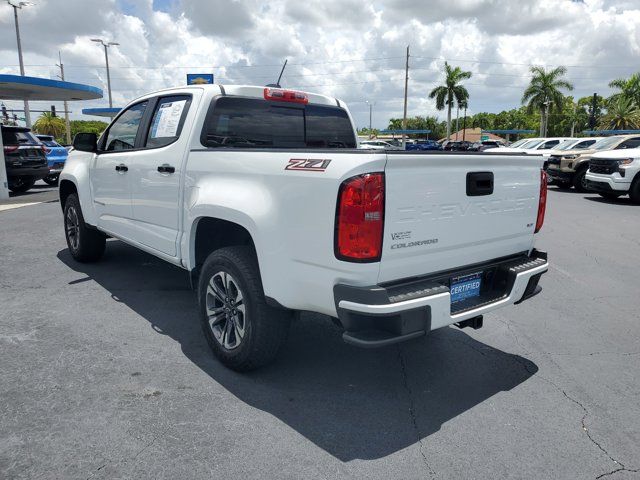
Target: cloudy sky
{"x":352,"y":49}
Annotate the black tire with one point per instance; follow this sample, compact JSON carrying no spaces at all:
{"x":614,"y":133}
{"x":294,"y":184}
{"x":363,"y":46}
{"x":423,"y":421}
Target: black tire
{"x":609,"y":195}
{"x":634,"y":191}
{"x":21,"y":185}
{"x":255,"y":335}
{"x":579,"y":180}
{"x":51,"y":180}
{"x":85,"y":244}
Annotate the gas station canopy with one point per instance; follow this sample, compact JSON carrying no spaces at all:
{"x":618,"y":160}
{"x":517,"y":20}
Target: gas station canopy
{"x":102,"y":112}
{"x":16,"y":87}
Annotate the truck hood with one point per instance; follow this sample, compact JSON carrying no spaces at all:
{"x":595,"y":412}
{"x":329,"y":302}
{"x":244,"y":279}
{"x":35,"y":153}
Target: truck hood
{"x":625,"y":153}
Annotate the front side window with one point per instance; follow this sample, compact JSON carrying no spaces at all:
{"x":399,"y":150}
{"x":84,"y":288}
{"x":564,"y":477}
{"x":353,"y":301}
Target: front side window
{"x":254,"y":123}
{"x":122,"y":133}
{"x":167,"y":120}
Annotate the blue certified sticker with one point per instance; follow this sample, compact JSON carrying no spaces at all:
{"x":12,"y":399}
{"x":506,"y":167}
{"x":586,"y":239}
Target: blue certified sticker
{"x":465,"y":287}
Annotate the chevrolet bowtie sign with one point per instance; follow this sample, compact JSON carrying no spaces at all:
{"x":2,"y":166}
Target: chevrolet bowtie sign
{"x":199,"y":78}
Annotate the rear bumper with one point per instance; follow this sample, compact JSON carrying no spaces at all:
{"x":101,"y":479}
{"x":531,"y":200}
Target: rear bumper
{"x":55,"y":167}
{"x":31,"y":172}
{"x":382,"y":315}
{"x":605,"y":183}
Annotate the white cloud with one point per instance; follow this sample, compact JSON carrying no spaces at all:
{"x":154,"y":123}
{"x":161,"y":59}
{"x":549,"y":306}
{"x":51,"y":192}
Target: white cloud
{"x":352,"y":49}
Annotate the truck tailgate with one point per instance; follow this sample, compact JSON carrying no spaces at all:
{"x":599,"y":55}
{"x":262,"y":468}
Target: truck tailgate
{"x":433,"y":222}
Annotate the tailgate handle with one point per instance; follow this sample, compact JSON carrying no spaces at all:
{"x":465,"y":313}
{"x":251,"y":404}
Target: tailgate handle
{"x":479,"y":183}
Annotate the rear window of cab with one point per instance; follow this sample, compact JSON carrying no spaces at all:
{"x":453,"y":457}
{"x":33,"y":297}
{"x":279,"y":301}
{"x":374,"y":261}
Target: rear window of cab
{"x":237,"y":122}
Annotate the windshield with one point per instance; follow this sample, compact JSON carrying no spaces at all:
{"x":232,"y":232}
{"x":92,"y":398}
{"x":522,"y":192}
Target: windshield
{"x":531,"y":144}
{"x":519,"y":142}
{"x":606,"y":143}
{"x":17,"y":137}
{"x":566,"y":144}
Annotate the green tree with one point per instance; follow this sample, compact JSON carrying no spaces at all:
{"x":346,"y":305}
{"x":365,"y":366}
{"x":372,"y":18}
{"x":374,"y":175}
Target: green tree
{"x":451,"y":92}
{"x":544,"y":93}
{"x":47,"y":124}
{"x":622,"y":114}
{"x":87,"y":126}
{"x":629,"y":88}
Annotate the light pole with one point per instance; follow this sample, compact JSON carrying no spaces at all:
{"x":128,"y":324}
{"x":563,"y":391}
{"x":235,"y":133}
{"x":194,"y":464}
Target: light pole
{"x":106,"y":59}
{"x":16,"y":6}
{"x":370,"y":117}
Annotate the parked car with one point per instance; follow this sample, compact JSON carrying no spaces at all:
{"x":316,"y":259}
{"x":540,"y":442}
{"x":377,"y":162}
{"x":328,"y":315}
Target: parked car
{"x":424,"y":145}
{"x":262,"y":196}
{"x":615,"y":173}
{"x":485,"y":144}
{"x":24,"y":158}
{"x":569,"y":168}
{"x":457,"y":146}
{"x":378,"y":145}
{"x":56,"y":156}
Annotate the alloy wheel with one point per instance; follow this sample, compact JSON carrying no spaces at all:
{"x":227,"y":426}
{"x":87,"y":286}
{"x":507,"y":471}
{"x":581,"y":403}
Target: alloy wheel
{"x":226,"y":310}
{"x":73,"y":228}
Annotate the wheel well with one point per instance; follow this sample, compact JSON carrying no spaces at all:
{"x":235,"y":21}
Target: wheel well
{"x":67,"y":187}
{"x":212,"y":234}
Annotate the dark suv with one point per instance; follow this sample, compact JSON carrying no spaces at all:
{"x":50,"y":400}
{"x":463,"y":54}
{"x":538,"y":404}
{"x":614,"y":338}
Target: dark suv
{"x":24,"y":157}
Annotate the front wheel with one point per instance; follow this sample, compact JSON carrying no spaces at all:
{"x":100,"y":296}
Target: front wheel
{"x":580,"y":180}
{"x":85,"y":243}
{"x":242,"y":330}
{"x":51,"y":179}
{"x":634,"y":191}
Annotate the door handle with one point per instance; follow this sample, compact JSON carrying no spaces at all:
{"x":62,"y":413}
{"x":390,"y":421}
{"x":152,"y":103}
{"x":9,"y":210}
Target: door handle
{"x":479,"y":183}
{"x":166,"y":168}
{"x":122,"y":168}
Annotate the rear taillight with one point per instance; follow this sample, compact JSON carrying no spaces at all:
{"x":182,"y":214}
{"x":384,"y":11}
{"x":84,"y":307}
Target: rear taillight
{"x":10,"y":148}
{"x":542,"y":203}
{"x":360,"y":218}
{"x":279,"y":95}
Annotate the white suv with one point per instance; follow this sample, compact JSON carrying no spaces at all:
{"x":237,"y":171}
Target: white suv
{"x":615,"y":173}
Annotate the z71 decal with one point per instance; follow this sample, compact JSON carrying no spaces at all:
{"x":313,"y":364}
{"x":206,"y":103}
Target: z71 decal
{"x":308,"y":165}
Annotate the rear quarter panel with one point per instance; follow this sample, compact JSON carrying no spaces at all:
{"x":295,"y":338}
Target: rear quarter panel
{"x":290,"y":215}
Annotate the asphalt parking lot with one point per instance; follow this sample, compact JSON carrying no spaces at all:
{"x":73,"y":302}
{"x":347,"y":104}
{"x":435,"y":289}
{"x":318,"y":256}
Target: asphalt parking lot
{"x":105,"y":374}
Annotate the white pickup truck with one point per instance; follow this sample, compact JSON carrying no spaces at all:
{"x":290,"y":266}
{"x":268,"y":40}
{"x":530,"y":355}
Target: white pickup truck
{"x":264,"y":197}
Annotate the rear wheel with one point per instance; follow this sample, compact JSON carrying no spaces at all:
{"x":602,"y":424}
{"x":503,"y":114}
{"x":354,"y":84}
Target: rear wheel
{"x":634,"y":192}
{"x":21,"y":184}
{"x":85,"y":244}
{"x":242,"y":330}
{"x":580,"y":180}
{"x":51,"y":179}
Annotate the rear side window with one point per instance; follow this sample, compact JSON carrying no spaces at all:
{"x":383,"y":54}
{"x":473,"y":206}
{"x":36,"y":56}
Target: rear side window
{"x":253,"y":123}
{"x":168,"y":119}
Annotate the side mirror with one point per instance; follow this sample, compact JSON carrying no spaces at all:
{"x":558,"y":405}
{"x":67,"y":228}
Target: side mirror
{"x":85,"y":142}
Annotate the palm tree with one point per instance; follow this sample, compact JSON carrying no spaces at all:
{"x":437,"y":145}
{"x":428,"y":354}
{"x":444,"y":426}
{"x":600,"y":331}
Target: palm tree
{"x":48,"y":124}
{"x":451,"y":91}
{"x":622,"y":114}
{"x":543,"y":93}
{"x":629,"y":88}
